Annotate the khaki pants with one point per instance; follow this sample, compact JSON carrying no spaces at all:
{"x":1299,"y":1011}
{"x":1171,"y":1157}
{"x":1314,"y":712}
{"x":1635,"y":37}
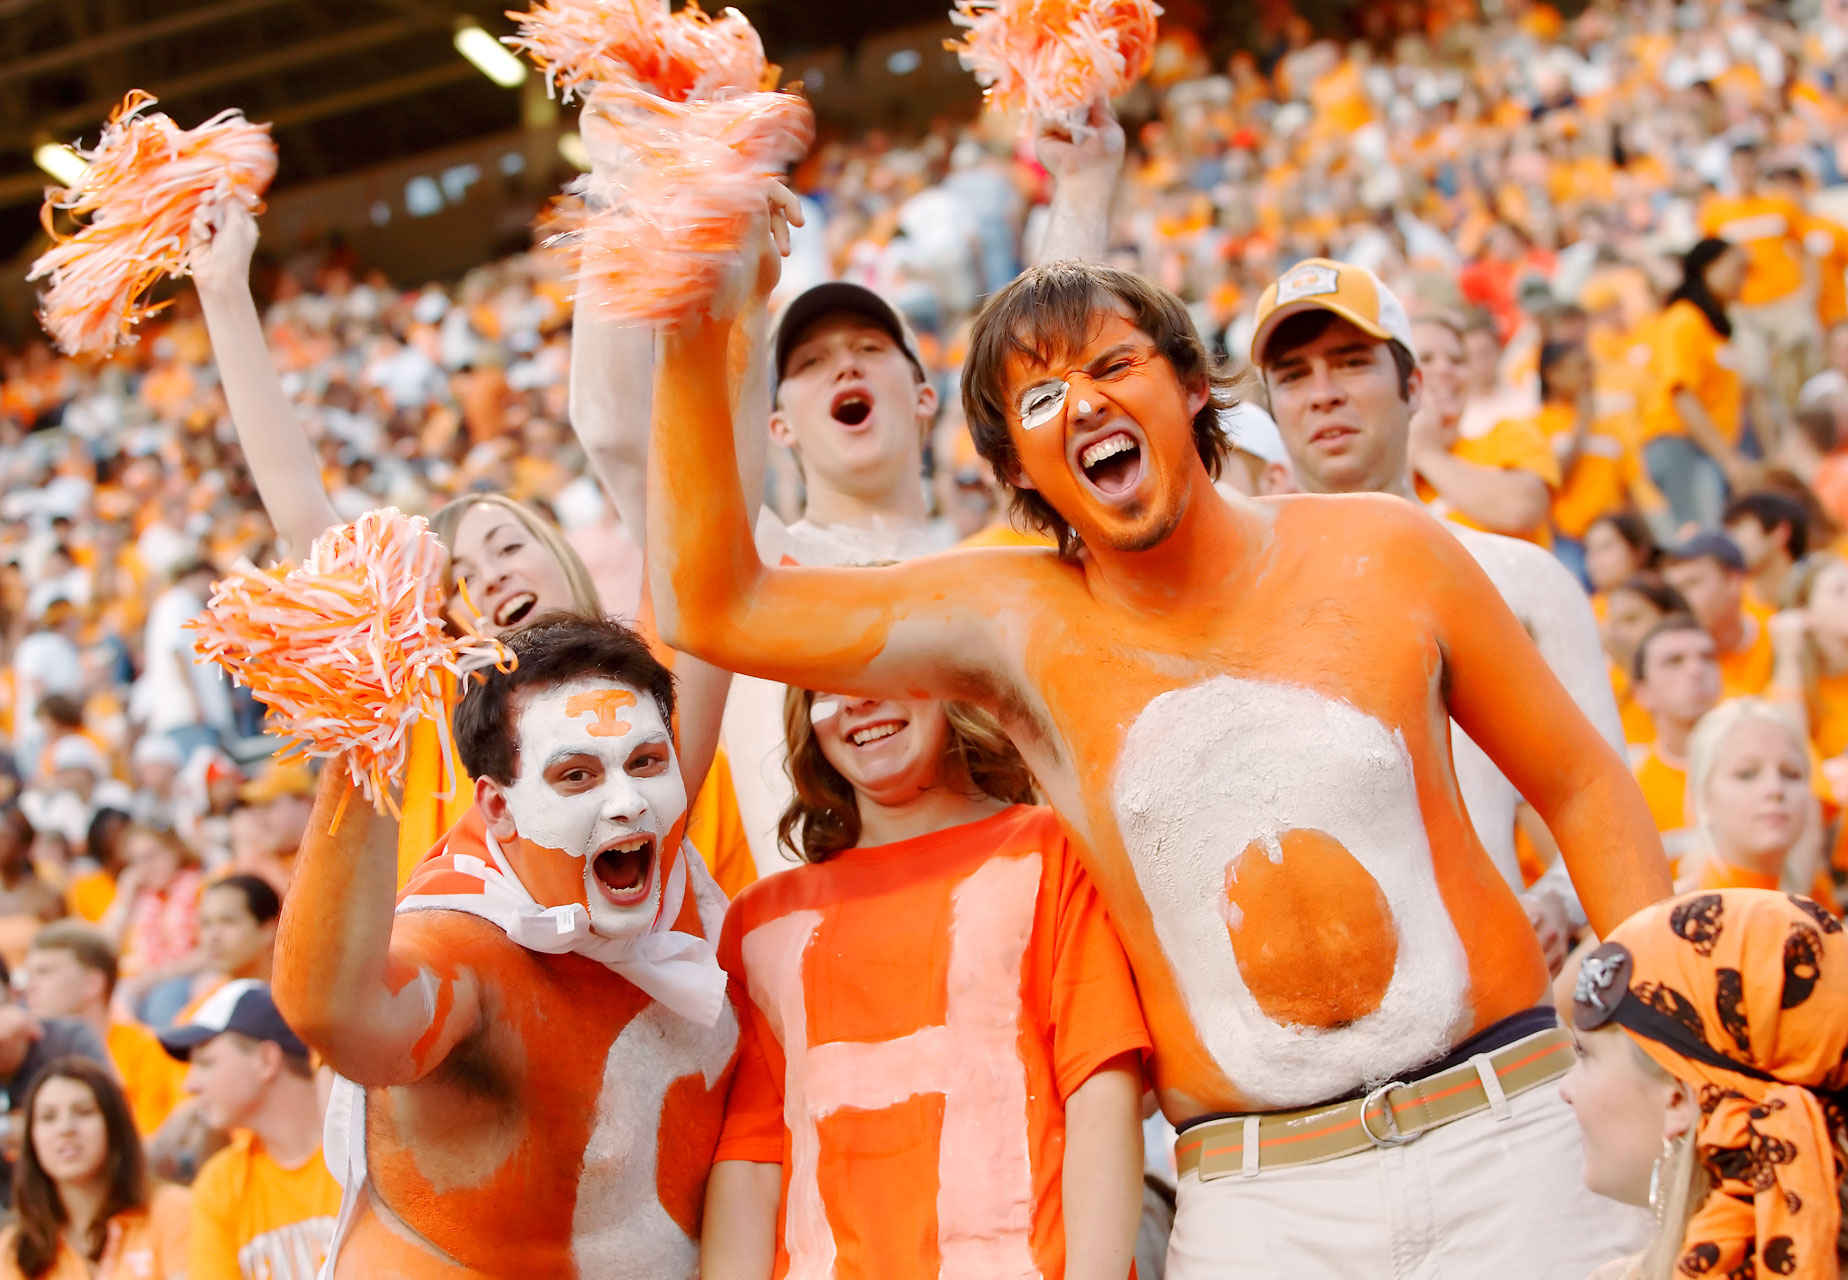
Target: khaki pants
{"x":1477,"y":1199}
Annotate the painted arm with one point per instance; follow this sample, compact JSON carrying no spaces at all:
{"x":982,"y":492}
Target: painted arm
{"x":1509,"y":701}
{"x":378,"y":1014}
{"x":287,"y":473}
{"x":1102,"y":1174}
{"x":918,"y":629}
{"x":1499,"y":499}
{"x":738,"y":1241}
{"x":1084,"y":175}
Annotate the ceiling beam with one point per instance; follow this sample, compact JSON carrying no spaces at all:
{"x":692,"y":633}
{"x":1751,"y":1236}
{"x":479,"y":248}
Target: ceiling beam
{"x":130,"y":36}
{"x":243,"y":69}
{"x":384,"y":91}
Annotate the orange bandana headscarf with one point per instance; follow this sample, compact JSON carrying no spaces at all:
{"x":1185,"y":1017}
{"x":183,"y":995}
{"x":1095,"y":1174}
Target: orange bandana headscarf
{"x":1744,"y":994}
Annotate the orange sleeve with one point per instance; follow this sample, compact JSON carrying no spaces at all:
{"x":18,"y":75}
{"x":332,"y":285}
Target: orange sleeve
{"x":717,"y":830}
{"x":753,"y":1127}
{"x":1520,"y":445}
{"x":1095,"y":1012}
{"x":1678,"y":350}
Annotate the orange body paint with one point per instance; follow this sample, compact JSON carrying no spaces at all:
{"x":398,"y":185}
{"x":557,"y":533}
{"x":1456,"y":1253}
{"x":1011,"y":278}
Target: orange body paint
{"x":1278,"y":672}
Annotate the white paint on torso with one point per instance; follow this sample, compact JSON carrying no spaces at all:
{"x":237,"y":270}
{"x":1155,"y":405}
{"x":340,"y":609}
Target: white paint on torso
{"x":1205,"y":771}
{"x":619,"y":1231}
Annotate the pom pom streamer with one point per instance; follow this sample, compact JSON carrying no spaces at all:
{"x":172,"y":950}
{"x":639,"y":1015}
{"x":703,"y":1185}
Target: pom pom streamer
{"x":638,"y":43}
{"x":349,"y":648}
{"x":688,"y":191}
{"x":1053,"y":58}
{"x":144,"y":204}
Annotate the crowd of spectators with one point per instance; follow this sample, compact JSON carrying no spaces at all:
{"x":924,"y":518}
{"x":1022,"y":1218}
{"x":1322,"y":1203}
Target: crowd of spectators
{"x":1623,"y":217}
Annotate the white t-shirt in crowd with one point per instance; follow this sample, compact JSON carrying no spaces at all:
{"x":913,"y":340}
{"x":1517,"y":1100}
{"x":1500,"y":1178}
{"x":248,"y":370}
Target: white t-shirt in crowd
{"x":162,"y":700}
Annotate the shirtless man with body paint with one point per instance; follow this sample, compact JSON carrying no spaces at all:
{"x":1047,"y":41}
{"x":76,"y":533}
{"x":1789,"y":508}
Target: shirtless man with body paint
{"x":1352,"y":435}
{"x":850,"y":397}
{"x":1241,"y":709}
{"x":540,"y":1029}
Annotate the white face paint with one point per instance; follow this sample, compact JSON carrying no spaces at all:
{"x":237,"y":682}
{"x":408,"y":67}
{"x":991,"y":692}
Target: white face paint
{"x":599,"y":782}
{"x":824,"y":709}
{"x":1041,"y":404}
{"x":1084,"y":407}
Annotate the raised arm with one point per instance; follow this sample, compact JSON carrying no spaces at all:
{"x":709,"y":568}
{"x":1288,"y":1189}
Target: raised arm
{"x":287,"y":473}
{"x":382,"y":1010}
{"x":926,"y":624}
{"x":1509,"y":701}
{"x":1084,"y":174}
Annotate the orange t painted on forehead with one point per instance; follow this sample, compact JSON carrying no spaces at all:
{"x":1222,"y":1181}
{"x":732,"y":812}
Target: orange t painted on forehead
{"x":602,"y":704}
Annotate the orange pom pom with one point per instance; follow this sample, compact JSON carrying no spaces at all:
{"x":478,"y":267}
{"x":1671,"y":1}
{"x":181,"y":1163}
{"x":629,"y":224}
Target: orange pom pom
{"x":680,"y":56}
{"x":688,"y":190}
{"x":349,"y":649}
{"x":1053,"y":58}
{"x":148,"y":197}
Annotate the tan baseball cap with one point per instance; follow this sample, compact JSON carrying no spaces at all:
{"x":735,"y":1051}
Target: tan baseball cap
{"x":1322,"y":284}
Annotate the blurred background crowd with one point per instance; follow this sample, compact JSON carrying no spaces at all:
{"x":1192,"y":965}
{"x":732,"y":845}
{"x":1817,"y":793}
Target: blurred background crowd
{"x":1631,"y":221}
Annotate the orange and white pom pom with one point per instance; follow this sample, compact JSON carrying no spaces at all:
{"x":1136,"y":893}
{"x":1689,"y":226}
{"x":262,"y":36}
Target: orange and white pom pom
{"x":689,"y":189}
{"x":680,"y":56}
{"x":349,"y":649}
{"x":1053,"y":58}
{"x":145,"y":203}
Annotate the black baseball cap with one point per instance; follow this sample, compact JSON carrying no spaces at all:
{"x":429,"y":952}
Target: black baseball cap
{"x":833,"y":298}
{"x":243,"y":1006}
{"x":1709,"y":546}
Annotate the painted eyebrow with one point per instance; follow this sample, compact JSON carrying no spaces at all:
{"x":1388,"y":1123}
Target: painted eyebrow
{"x":570,"y":753}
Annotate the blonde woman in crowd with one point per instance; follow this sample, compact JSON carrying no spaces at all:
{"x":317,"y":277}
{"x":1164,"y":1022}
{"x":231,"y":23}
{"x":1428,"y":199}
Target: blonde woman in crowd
{"x":1749,"y":790}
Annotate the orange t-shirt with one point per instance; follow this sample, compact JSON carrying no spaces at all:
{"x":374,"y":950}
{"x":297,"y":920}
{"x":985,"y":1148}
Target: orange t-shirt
{"x":1605,"y":475}
{"x":1828,"y":242}
{"x":1638,"y":724}
{"x":1665,"y":787}
{"x":1770,"y":230}
{"x":914,"y":1017}
{"x":1746,"y":672}
{"x":1714,"y":874}
{"x":1829,"y":717}
{"x":154,"y":1082}
{"x":1687,"y":354}
{"x":1511,"y":445}
{"x":138,"y":1244}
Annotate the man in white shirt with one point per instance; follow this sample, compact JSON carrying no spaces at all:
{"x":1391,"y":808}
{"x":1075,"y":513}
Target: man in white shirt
{"x":179,"y":693}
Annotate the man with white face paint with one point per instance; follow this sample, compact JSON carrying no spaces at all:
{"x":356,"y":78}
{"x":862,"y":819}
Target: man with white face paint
{"x":542,"y":1005}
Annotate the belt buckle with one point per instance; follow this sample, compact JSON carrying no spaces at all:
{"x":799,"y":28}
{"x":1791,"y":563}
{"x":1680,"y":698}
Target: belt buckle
{"x":1393,"y":1137}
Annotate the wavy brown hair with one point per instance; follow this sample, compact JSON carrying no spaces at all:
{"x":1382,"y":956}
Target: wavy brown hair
{"x":823,"y":817}
{"x":36,"y":1203}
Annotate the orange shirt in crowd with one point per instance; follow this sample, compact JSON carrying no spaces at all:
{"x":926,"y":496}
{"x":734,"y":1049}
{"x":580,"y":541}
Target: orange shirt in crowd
{"x":1604,"y":474}
{"x":914,"y":1017}
{"x":1770,"y":230}
{"x":138,"y":1244}
{"x":1638,"y":724}
{"x":1714,"y":874}
{"x":154,"y":1082}
{"x":1745,"y":672}
{"x":1512,"y":445}
{"x":1829,"y":716}
{"x":1686,"y":354}
{"x":252,"y":1219}
{"x":1665,"y":787}
{"x":1827,"y":241}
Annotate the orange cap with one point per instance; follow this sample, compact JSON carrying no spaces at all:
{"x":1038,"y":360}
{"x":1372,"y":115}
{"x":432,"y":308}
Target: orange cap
{"x":1321,"y":284}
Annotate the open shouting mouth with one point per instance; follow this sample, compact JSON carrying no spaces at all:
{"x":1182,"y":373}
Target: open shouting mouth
{"x":1112,"y":462}
{"x":852,"y":406}
{"x":515,"y":609}
{"x":623,"y":870}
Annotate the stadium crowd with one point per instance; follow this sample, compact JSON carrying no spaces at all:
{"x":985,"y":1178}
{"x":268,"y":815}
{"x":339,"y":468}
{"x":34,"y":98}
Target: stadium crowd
{"x":1620,"y":239}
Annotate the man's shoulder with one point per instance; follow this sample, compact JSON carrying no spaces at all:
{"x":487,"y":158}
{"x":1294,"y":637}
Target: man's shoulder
{"x":1357,"y":521}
